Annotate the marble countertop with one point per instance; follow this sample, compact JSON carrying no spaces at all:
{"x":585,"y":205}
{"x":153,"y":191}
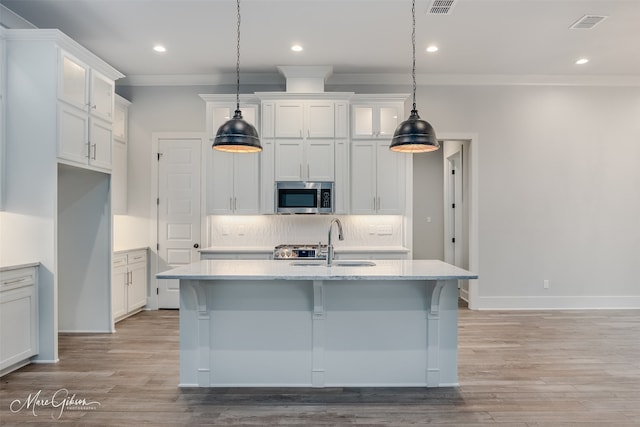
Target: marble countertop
{"x":287,"y":270}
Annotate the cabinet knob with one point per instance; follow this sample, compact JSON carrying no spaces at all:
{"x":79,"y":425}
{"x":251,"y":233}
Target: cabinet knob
{"x":195,"y":245}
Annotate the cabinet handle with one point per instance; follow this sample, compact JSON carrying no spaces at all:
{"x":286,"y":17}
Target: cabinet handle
{"x":374,"y":203}
{"x":378,"y":203}
{"x":300,"y":170}
{"x":11,"y":282}
{"x":308,"y":171}
{"x":308,"y":133}
{"x":94,"y":152}
{"x":235,"y":204}
{"x":93,"y":107}
{"x":231,"y":203}
{"x":88,"y":156}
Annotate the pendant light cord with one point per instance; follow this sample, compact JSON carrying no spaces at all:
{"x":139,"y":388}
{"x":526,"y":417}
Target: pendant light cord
{"x":413,"y":44}
{"x":238,"y":62}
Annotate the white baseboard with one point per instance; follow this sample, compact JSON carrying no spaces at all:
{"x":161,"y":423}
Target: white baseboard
{"x":557,"y":303}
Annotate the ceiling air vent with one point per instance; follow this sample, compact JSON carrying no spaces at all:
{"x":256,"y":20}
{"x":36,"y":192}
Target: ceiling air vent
{"x":587,"y":22}
{"x":440,"y":7}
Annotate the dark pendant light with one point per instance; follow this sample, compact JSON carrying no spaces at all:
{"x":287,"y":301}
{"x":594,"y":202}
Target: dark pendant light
{"x":237,"y":135}
{"x":414,"y":135}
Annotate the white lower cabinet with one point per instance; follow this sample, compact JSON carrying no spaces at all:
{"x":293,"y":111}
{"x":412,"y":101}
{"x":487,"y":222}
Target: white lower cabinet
{"x":18,"y":317}
{"x":128,"y":283}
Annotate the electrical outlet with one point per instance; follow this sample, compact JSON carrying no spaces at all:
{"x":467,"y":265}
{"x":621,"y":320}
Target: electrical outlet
{"x":545,"y":284}
{"x":385,"y":230}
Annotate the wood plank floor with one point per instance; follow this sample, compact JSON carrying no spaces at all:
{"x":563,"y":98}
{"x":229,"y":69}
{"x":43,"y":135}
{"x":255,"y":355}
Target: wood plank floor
{"x":527,"y":368}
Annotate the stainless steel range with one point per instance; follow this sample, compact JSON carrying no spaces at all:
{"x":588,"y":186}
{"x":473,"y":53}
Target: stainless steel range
{"x":318,"y":251}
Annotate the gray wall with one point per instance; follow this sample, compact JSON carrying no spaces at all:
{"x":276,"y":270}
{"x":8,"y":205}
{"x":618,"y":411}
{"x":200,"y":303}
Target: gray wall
{"x":558,"y":177}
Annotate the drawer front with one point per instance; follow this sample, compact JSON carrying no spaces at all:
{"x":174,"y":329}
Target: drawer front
{"x":119,"y":260}
{"x":17,"y":278}
{"x":137,"y":256}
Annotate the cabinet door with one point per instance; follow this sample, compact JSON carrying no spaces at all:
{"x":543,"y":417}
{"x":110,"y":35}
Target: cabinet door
{"x":72,"y":87}
{"x":101,"y":96}
{"x":390,"y":180}
{"x":289,"y":119}
{"x":246,"y":184}
{"x":363,"y":177}
{"x":137,"y":289}
{"x":289,"y":160}
{"x":100,"y":141}
{"x":220,"y":182}
{"x":119,"y":284}
{"x":119,"y":178}
{"x":387,"y":121}
{"x":319,"y":120}
{"x":73,"y":134}
{"x":221,"y":114}
{"x":319,"y":160}
{"x":120,"y":125}
{"x":362,"y":121}
{"x":18,"y":317}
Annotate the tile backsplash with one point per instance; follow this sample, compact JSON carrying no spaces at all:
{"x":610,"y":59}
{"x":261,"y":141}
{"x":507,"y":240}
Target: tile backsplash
{"x":271,"y":230}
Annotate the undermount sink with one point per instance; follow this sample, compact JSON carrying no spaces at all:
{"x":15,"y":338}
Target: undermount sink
{"x":335,"y":263}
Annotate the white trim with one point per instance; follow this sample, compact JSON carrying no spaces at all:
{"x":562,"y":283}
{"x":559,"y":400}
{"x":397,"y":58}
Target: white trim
{"x":474,"y":233}
{"x":576,"y":302}
{"x":276,"y":78}
{"x":152,"y":297}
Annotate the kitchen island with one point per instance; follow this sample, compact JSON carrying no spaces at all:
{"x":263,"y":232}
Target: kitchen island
{"x":268,"y":323}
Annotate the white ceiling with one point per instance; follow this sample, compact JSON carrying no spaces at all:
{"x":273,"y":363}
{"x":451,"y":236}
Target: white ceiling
{"x":356,"y":37}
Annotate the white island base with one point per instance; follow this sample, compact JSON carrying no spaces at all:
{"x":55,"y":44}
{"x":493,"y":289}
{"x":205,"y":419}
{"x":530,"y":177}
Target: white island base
{"x":271,"y":324}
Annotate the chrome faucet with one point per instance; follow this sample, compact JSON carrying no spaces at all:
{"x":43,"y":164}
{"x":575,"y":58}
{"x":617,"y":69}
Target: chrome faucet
{"x":329,"y":244}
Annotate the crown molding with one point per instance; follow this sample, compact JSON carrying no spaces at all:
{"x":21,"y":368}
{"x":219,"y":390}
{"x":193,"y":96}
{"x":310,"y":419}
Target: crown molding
{"x":387,"y":79}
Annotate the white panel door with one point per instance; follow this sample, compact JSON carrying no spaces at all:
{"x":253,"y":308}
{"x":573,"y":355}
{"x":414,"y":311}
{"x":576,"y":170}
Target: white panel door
{"x":319,"y":120}
{"x":179,"y":214}
{"x":363,"y":177}
{"x":390,"y":180}
{"x":73,"y":134}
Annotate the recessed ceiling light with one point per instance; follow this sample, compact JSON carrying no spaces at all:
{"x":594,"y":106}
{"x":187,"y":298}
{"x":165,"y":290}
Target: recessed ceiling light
{"x":297,"y":48}
{"x":432,"y":49}
{"x":159,"y":48}
{"x":582,"y":61}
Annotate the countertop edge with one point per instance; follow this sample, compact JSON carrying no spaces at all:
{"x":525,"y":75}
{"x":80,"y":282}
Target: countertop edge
{"x":124,"y":251}
{"x":19,"y":266}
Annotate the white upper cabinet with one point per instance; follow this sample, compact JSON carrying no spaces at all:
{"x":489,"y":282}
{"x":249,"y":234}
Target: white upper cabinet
{"x":304,"y":140}
{"x":232,"y":179}
{"x":304,"y":119}
{"x":119,"y":156}
{"x":85,"y":88}
{"x":376,"y":117}
{"x":85,"y":111}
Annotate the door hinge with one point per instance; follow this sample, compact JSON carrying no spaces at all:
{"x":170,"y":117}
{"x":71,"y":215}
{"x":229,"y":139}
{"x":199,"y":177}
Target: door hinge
{"x":159,"y":155}
{"x":157,"y":291}
{"x":453,"y":240}
{"x":453,"y":171}
{"x":158,"y":201}
{"x":157,"y":246}
{"x":453,"y":205}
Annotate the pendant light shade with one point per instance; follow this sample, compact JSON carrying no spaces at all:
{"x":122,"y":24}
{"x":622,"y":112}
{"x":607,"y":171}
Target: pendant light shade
{"x":237,"y":135}
{"x":414,"y":135}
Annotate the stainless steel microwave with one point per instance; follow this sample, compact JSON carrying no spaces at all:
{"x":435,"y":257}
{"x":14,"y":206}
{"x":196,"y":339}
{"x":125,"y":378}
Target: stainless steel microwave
{"x":304,"y":197}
